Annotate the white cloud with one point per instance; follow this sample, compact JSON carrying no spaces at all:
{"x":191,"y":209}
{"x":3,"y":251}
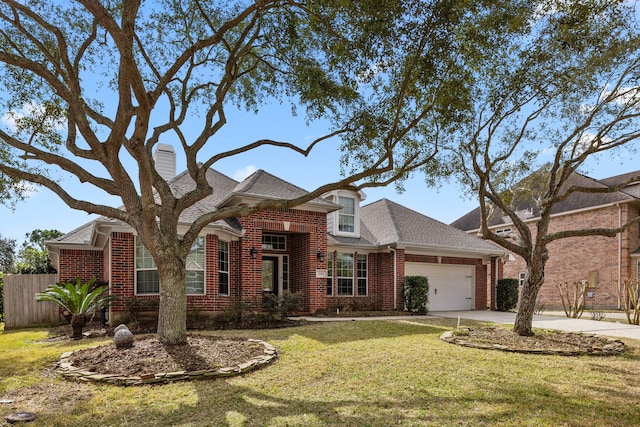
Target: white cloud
{"x":242,"y":174}
{"x":11,"y":119}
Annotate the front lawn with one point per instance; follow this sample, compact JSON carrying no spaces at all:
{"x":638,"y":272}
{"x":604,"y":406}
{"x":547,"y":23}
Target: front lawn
{"x":357,"y":373}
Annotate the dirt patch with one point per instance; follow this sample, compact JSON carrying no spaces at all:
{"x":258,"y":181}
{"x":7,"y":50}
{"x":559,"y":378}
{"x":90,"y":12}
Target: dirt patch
{"x":543,"y":341}
{"x":149,"y":356}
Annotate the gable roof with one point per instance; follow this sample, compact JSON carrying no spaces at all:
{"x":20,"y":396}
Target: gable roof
{"x":259,"y":185}
{"x":386,"y":223}
{"x":262,"y":185}
{"x":576,"y":201}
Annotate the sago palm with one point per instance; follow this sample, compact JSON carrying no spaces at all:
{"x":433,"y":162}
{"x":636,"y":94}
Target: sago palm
{"x":79,"y":299}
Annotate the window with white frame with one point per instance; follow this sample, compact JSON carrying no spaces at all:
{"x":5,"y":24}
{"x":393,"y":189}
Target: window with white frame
{"x":362,"y":275}
{"x":195,"y":268}
{"x":503,"y":231}
{"x":521,"y":278}
{"x":148,"y":280}
{"x":344,"y":272}
{"x":330,"y":273}
{"x":223,"y":267}
{"x":347,"y":215}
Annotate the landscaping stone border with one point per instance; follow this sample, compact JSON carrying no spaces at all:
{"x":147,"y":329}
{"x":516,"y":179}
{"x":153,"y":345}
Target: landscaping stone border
{"x":612,"y":347}
{"x":66,"y":369}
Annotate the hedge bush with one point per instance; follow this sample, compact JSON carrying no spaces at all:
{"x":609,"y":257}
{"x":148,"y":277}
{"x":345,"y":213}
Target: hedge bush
{"x":416,"y":294}
{"x":506,"y":294}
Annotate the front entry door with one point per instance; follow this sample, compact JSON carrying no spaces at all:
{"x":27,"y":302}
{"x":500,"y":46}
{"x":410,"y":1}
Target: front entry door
{"x":270,"y":275}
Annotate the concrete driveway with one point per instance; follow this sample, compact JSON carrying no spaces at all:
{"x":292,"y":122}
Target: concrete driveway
{"x":557,"y":322}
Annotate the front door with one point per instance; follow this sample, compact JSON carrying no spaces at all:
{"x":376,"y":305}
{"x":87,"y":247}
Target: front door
{"x":270,"y":275}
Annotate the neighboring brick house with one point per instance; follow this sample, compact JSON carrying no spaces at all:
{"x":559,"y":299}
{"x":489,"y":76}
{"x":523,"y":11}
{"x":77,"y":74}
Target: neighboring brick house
{"x":332,"y":251}
{"x":601,"y":261}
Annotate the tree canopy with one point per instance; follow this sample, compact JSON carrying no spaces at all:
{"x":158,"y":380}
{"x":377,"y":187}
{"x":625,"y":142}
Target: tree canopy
{"x":569,"y":93}
{"x":32,"y":258}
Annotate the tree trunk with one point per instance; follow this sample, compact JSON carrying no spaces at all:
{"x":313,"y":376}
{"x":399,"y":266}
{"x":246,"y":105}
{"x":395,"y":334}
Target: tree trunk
{"x":533,"y":280}
{"x":172,"y":313}
{"x":77,"y":323}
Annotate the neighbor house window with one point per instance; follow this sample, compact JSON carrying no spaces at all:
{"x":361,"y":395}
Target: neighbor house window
{"x":521,"y":278}
{"x":148,"y":280}
{"x":362,"y":275}
{"x":344,"y":270}
{"x":330,"y":273}
{"x":223,"y":267}
{"x":347,"y":215}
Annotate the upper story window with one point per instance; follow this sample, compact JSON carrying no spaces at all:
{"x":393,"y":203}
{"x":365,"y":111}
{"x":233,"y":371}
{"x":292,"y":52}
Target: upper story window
{"x":346,"y":220}
{"x":347,"y":215}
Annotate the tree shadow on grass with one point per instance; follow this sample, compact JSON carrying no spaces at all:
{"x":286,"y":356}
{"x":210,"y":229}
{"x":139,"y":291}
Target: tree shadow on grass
{"x":223,"y":403}
{"x":357,"y":330}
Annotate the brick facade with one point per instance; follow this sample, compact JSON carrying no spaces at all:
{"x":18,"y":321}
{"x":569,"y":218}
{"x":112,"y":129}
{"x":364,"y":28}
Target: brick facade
{"x":305,"y":236}
{"x":604,"y":259}
{"x":81,"y":264}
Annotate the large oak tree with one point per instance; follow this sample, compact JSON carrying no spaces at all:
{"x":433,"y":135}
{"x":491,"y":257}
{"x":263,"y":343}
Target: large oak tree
{"x":90,"y":88}
{"x":567,"y":93}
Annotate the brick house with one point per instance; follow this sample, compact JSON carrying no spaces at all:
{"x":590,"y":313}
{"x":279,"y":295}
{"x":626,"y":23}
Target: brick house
{"x":332,"y":251}
{"x":601,"y":261}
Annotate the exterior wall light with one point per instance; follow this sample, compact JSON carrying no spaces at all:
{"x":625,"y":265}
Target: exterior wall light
{"x":320,"y":256}
{"x":253,"y":253}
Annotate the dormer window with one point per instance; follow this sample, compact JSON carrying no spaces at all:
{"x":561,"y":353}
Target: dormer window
{"x":347,"y":215}
{"x":346,"y":220}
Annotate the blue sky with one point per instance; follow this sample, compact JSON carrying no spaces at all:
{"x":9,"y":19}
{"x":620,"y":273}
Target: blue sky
{"x":44,"y":210}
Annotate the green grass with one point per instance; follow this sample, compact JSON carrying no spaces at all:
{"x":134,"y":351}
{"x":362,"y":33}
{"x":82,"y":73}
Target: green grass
{"x":362,"y":373}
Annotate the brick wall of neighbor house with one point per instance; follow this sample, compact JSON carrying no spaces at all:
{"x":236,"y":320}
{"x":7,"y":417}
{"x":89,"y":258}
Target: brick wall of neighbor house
{"x":579,"y":258}
{"x":81,"y":264}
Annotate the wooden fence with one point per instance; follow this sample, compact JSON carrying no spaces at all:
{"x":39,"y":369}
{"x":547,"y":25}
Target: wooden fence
{"x":20,"y":306}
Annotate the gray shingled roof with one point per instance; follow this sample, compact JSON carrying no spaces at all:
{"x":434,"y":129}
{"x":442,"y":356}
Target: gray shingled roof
{"x":577,"y":201}
{"x":390,"y":223}
{"x":262,"y":184}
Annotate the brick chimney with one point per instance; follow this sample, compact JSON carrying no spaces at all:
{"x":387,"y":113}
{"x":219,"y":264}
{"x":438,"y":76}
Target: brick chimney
{"x":165,"y":160}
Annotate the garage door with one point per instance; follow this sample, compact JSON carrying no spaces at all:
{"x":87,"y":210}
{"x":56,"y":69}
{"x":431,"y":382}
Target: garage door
{"x":450,"y":286}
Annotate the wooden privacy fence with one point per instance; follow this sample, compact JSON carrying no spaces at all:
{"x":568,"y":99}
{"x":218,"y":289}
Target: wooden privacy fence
{"x":20,"y":306}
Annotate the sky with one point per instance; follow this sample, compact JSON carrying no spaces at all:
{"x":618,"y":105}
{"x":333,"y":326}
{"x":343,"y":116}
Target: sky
{"x":44,"y":210}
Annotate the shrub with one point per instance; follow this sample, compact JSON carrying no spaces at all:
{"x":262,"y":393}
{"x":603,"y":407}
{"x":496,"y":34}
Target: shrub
{"x":281,"y":306}
{"x":506,"y":294}
{"x":573,"y":303}
{"x":79,"y":299}
{"x":416,"y":294}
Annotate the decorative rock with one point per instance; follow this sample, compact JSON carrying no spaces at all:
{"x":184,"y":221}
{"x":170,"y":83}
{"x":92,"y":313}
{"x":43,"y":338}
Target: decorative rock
{"x":119,"y":327}
{"x":123,"y":338}
{"x":20,"y":417}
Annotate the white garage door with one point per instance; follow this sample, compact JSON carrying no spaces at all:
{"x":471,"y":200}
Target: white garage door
{"x":450,"y":286}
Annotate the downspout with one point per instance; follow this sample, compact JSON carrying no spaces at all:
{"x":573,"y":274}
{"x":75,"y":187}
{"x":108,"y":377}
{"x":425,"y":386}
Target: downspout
{"x":395,"y":277}
{"x":619,"y":253}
